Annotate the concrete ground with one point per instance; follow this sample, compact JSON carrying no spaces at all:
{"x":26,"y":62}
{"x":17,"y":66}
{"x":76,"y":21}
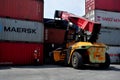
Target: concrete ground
{"x":55,"y":72}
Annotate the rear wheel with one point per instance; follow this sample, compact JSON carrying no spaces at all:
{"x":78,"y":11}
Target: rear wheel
{"x":77,"y":60}
{"x":107,"y":62}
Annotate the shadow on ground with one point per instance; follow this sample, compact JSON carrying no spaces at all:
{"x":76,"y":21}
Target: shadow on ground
{"x":111,"y":68}
{"x":5,"y":67}
{"x":31,"y":66}
{"x":114,"y":68}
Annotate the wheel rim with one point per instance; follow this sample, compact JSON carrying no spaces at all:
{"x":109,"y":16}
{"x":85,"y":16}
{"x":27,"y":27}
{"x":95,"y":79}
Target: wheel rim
{"x":74,"y":60}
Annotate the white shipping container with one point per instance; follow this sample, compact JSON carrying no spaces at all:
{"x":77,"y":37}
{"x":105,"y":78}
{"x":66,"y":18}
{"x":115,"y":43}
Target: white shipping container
{"x":114,"y":52}
{"x":109,"y":36}
{"x":106,"y":18}
{"x":19,"y":30}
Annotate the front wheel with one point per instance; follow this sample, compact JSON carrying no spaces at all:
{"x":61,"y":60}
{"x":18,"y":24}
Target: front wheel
{"x":107,"y":62}
{"x":77,"y":60}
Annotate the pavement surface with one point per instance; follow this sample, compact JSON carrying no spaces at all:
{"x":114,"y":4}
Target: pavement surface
{"x":56,"y":72}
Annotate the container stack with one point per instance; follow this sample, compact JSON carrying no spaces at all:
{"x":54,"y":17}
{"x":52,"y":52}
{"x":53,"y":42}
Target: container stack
{"x":53,"y":30}
{"x":53,"y":36}
{"x":107,"y":13}
{"x":21,"y":31}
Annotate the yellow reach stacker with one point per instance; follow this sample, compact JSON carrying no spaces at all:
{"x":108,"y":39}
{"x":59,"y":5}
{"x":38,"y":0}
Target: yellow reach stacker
{"x":80,"y":44}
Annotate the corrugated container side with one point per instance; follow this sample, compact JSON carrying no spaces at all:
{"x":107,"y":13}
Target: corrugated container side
{"x":20,"y":30}
{"x":106,"y":18}
{"x":22,"y":9}
{"x":53,"y":35}
{"x":114,"y":52}
{"x":109,"y":36}
{"x":111,"y":5}
{"x":19,"y":53}
{"x":89,"y":5}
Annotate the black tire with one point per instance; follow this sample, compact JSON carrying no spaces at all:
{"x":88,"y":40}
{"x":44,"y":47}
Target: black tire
{"x":77,"y":60}
{"x":107,"y":62}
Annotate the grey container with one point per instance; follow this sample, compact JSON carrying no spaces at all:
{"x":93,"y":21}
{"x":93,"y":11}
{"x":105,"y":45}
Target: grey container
{"x":21,"y":30}
{"x":106,"y":18}
{"x":114,"y":52}
{"x":110,"y":36}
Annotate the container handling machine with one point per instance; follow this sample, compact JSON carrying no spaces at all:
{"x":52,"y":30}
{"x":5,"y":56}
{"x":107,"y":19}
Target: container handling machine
{"x":80,"y":45}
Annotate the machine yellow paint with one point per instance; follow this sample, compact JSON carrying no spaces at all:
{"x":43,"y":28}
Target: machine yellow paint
{"x":58,"y":55}
{"x":78,"y":45}
{"x":96,"y":51}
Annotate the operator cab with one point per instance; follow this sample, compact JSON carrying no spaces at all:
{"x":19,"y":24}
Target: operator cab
{"x":74,"y":33}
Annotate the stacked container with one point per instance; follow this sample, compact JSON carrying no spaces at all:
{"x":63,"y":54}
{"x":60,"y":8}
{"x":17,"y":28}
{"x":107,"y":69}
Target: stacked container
{"x":21,"y":31}
{"x":53,"y":37}
{"x":111,"y":5}
{"x":107,"y":13}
